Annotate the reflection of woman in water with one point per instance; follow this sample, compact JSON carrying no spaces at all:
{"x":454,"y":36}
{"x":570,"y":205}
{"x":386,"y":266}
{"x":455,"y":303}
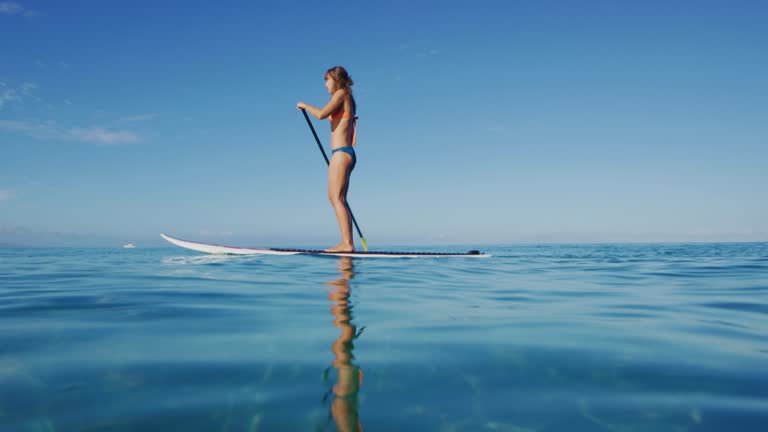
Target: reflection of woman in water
{"x":344,"y":407}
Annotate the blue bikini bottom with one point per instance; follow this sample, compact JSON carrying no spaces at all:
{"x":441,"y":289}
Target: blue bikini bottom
{"x":350,"y":151}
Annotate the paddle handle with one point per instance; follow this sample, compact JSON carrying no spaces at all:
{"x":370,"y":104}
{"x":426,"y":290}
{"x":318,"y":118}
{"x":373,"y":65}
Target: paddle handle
{"x":317,"y":139}
{"x":327,"y":162}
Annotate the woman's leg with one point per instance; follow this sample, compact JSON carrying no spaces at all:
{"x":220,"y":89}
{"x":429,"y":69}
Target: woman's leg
{"x":338,"y":183}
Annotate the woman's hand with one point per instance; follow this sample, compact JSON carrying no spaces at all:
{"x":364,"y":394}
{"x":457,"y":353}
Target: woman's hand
{"x":301,"y":106}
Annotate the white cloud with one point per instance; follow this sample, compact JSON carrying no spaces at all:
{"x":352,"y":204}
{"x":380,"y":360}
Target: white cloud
{"x":27,"y":88}
{"x":6,"y":195}
{"x":102,"y":136}
{"x":10,"y":94}
{"x":141,"y":117}
{"x":39,"y":130}
{"x":10,"y":8}
{"x":92,"y":135}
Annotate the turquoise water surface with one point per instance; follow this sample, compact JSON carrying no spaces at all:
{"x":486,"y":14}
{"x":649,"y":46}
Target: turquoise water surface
{"x":652,"y":337}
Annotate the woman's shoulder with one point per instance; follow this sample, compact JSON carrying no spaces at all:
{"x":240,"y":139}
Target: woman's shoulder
{"x":342,"y":93}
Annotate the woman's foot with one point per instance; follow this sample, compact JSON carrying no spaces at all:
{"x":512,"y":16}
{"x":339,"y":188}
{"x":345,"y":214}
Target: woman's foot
{"x":342,"y":247}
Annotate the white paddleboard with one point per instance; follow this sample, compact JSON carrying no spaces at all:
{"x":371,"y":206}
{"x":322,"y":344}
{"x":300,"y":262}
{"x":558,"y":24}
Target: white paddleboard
{"x":234,"y":250}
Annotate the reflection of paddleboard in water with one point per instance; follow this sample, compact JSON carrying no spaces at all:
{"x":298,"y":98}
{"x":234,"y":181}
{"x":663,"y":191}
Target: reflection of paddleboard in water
{"x":129,"y":246}
{"x":217,"y":249}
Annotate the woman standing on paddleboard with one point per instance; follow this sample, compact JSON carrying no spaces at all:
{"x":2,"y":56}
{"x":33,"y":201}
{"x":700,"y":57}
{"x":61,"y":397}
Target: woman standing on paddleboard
{"x":341,"y":109}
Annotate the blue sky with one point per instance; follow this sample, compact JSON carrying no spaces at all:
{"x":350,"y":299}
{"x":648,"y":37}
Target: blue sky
{"x":480,"y":123}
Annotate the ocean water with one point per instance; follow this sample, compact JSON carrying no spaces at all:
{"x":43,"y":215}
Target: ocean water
{"x":652,"y":337}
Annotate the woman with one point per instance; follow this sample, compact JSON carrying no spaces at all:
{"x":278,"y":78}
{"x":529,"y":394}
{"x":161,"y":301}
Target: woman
{"x":341,"y":109}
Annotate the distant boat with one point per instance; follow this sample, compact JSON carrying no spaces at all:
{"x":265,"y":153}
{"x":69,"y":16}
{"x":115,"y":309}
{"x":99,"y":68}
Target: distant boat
{"x":129,"y":246}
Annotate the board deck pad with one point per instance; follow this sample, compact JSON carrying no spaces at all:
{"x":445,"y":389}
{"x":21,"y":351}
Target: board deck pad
{"x":235,"y":250}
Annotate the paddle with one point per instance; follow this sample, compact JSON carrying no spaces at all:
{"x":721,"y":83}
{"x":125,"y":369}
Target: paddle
{"x":327,"y":162}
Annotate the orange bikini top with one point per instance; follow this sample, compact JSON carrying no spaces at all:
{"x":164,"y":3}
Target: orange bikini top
{"x":340,"y":114}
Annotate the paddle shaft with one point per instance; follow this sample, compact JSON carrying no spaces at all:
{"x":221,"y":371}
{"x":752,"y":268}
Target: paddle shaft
{"x":327,"y":162}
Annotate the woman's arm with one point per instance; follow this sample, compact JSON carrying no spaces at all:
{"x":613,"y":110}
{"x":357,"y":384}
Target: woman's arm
{"x":321,"y":113}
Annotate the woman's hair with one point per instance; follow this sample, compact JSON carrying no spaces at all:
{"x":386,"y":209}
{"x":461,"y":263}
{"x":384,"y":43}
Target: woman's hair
{"x":342,"y":78}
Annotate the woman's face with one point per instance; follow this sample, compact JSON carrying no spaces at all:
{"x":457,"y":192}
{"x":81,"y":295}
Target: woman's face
{"x":330,"y":84}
